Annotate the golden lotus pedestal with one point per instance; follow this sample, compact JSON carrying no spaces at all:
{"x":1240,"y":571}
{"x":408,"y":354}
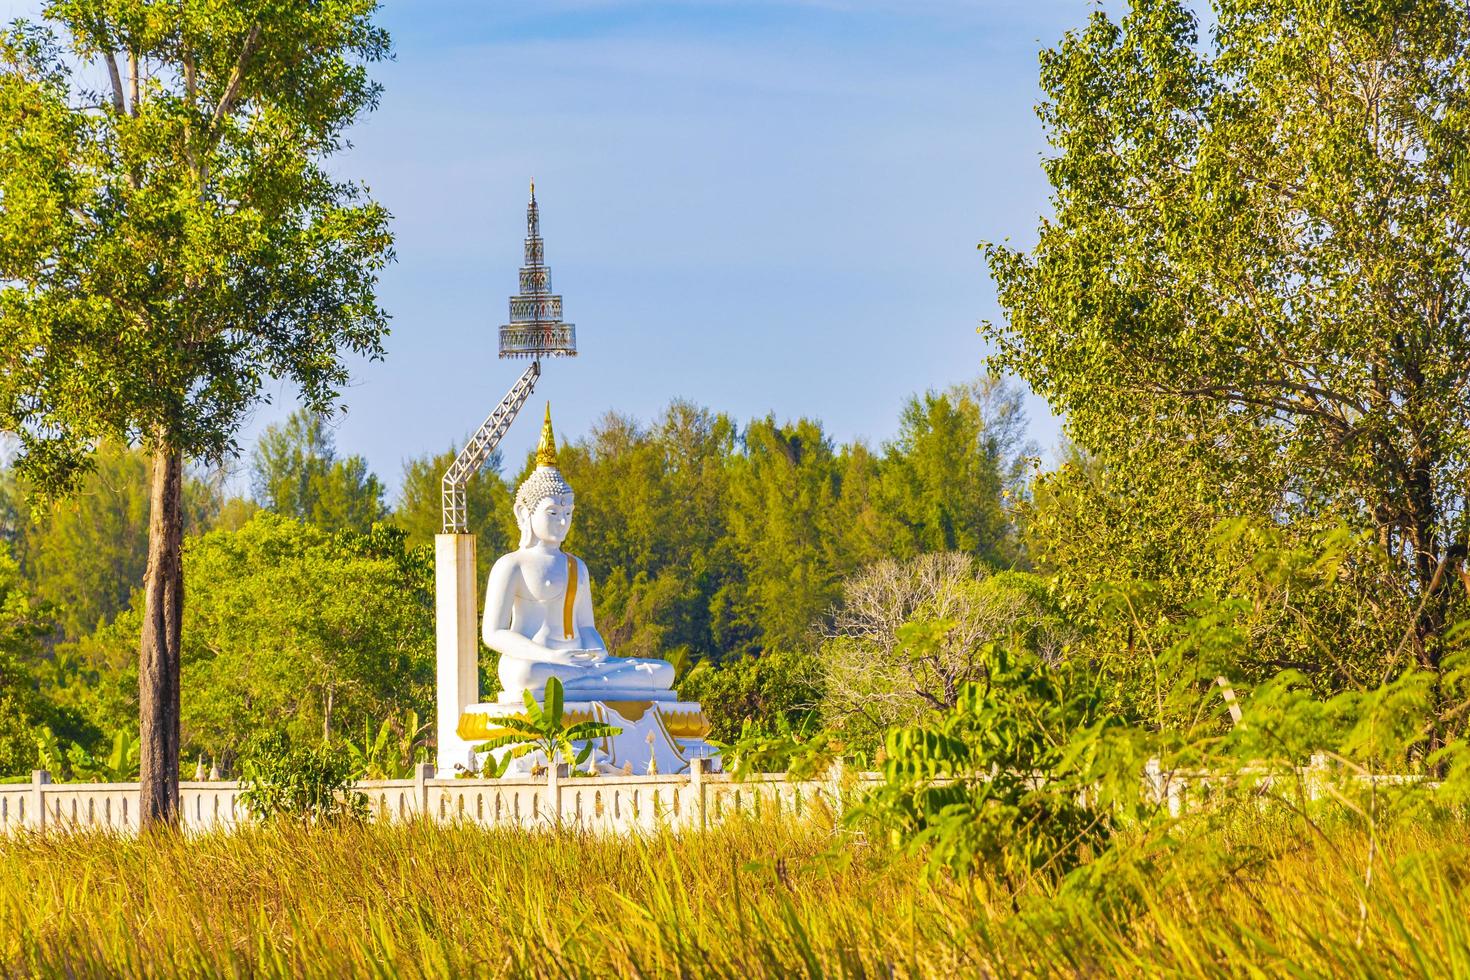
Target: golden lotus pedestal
{"x":657,"y":736}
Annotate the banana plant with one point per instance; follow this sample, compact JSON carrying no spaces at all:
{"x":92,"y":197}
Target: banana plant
{"x":381,"y":757}
{"x":49,"y":753}
{"x":541,"y":728}
{"x":120,"y":764}
{"x":71,"y":761}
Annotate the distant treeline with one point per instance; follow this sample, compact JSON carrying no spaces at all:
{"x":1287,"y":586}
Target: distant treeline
{"x":708,"y":541}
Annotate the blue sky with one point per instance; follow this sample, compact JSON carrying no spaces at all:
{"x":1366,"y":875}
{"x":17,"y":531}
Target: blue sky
{"x":759,"y":206}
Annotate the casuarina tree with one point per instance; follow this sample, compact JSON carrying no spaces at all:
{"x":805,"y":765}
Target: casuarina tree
{"x":170,"y":241}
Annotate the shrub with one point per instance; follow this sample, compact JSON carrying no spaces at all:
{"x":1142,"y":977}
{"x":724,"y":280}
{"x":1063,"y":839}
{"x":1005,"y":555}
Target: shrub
{"x":1020,"y":782}
{"x":872,"y":681}
{"x":768,"y":692}
{"x":312,"y":785}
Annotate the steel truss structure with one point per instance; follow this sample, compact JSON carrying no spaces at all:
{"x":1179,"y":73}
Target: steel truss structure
{"x":479,"y":448}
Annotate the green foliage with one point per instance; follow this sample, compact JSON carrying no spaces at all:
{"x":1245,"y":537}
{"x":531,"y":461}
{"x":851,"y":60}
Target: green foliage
{"x":787,"y":519}
{"x":296,"y":630}
{"x":801,"y":751}
{"x":74,"y":762}
{"x":87,"y":554}
{"x":767,"y":521}
{"x":772,"y":688}
{"x":1245,"y":293}
{"x":295,"y":472}
{"x":286,"y":628}
{"x":1021,"y":782}
{"x":541,"y":728}
{"x":96,"y":676}
{"x":1387,"y":728}
{"x":1135,"y":556}
{"x":27,"y":676}
{"x":168,"y":251}
{"x":19,"y":715}
{"x":309,"y":785}
{"x":946,"y":474}
{"x":393,"y":752}
{"x":1309,"y":618}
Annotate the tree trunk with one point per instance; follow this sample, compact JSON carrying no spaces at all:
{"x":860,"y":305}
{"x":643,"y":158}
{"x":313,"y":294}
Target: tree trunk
{"x":327,"y":717}
{"x":158,"y":655}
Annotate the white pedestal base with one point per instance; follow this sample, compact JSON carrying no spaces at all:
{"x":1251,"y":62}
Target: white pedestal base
{"x":658,"y":734}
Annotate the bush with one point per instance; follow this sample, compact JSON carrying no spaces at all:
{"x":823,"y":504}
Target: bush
{"x":312,"y":785}
{"x":872,"y":681}
{"x":771,"y":691}
{"x":1021,"y":781}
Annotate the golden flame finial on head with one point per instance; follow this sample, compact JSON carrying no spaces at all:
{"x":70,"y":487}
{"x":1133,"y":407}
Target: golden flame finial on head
{"x":546,"y":448}
{"x":533,"y":188}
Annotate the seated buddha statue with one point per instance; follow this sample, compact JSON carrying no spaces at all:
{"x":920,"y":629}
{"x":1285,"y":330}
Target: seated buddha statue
{"x":538,"y":605}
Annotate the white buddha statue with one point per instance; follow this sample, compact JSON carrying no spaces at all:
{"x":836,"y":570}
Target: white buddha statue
{"x":538,"y":606}
{"x":538,"y":617}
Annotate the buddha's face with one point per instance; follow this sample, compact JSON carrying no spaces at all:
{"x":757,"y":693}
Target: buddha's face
{"x":551,"y":520}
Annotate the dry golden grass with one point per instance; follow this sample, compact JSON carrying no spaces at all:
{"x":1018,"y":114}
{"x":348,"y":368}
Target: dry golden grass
{"x":1264,"y":898}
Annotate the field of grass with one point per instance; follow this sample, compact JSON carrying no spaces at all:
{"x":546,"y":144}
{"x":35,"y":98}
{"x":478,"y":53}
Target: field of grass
{"x":1254,"y":897}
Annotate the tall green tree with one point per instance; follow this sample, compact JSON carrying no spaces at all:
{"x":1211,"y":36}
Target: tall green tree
{"x":171,"y":243}
{"x":88,"y":554}
{"x":786,"y":520}
{"x":288,"y":628}
{"x":651,"y":515}
{"x":295,"y":471}
{"x":298,"y":630}
{"x":1258,"y":269}
{"x":946,"y":475}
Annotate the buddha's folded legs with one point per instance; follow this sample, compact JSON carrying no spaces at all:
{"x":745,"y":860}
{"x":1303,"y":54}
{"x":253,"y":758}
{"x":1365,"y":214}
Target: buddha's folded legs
{"x":615,"y":677}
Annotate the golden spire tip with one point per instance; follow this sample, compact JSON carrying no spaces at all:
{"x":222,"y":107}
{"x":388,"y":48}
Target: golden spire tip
{"x":546,"y":448}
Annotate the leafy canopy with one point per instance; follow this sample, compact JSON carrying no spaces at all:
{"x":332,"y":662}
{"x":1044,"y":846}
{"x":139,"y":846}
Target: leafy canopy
{"x":169,"y":244}
{"x":1256,"y":270}
{"x":87,"y":554}
{"x":295,"y":472}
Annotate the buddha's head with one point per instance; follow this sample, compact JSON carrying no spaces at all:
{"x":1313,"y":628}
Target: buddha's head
{"x":544,"y":502}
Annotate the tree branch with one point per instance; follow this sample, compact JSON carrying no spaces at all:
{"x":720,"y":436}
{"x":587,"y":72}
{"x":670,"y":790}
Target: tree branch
{"x":115,"y":77}
{"x":191,"y":94}
{"x":133,"y":80}
{"x":232,"y":88}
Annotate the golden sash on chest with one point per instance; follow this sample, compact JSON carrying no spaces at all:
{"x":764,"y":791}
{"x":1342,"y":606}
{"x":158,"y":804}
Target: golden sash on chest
{"x":569,"y":605}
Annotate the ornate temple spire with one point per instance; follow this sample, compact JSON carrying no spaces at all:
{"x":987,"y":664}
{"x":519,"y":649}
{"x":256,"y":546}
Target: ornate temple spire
{"x":536,"y":328}
{"x":546,"y":448}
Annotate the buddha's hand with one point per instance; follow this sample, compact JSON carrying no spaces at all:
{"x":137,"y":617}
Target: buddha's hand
{"x":588,"y":656}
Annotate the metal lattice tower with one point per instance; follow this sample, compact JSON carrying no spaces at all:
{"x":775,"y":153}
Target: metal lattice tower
{"x":536,"y":331}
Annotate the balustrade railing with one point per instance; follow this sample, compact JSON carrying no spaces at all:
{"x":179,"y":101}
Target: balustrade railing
{"x":616,"y":804}
{"x":595,"y":803}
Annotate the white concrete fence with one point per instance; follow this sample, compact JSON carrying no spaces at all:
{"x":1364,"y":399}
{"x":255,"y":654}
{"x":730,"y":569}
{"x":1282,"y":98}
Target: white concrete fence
{"x":596,"y":803}
{"x":693,"y":800}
